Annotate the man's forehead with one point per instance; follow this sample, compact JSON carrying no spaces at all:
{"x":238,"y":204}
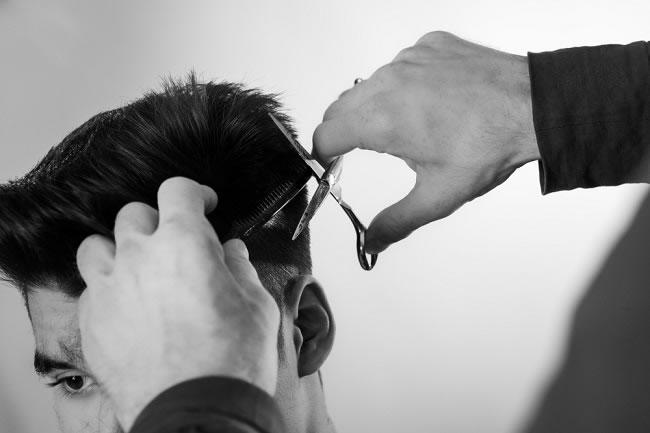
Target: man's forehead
{"x":54,"y":321}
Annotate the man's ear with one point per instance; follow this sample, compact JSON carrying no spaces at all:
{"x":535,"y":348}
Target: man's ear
{"x":313,"y":324}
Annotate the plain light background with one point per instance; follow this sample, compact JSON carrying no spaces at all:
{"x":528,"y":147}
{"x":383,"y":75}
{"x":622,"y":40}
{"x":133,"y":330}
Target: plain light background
{"x":459,"y":328}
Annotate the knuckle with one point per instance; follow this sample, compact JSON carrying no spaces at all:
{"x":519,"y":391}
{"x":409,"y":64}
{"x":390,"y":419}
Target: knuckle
{"x":238,"y":265}
{"x":82,"y":249}
{"x":434,"y":38}
{"x":344,"y":94}
{"x":384,"y":72}
{"x":394,"y":73}
{"x":131,"y":209}
{"x":89,"y":245}
{"x":130,"y":242}
{"x":175,"y":180}
{"x":175,"y":183}
{"x":411,"y":54}
{"x":402,"y":54}
{"x":417,"y":53}
{"x":178,"y":221}
{"x":190,"y":237}
{"x":332,"y":111}
{"x":132,"y":206}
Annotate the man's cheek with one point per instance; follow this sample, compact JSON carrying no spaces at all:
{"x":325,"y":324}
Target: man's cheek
{"x":89,"y":414}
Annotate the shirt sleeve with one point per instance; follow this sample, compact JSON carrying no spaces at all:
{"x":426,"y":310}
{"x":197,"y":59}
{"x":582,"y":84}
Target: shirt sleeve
{"x":211,"y":405}
{"x":592,"y":115}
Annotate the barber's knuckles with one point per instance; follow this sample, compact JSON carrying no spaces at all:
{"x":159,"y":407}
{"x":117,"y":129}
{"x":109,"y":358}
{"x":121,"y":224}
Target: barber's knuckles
{"x":344,"y":103}
{"x":136,"y":211}
{"x":442,"y":40}
{"x":415,"y":54}
{"x":184,"y":195}
{"x":95,"y":258}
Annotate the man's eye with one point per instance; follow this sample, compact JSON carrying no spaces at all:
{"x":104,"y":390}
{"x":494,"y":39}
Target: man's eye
{"x":73,"y":385}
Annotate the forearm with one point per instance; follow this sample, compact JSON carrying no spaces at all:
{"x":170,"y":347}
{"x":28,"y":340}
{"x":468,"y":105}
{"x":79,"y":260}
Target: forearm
{"x":591,"y":110}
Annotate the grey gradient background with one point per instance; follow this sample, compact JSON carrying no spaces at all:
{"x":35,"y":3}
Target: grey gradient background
{"x":459,"y":326}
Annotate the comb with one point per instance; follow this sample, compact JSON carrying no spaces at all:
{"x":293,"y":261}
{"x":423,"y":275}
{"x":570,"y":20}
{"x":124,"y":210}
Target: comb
{"x":265,"y":210}
{"x":284,"y":187}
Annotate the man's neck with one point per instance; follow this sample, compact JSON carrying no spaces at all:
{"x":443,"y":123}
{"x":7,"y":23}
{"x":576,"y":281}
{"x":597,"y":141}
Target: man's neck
{"x":318,"y":420}
{"x":309,"y":409}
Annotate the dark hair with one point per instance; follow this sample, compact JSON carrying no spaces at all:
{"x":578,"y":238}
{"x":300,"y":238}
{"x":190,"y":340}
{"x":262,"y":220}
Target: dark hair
{"x":219,"y":135}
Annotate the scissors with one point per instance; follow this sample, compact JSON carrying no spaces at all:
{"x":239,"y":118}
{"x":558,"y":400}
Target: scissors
{"x":328,"y":183}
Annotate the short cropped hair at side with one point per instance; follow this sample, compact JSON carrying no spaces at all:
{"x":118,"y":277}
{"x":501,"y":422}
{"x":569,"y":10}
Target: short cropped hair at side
{"x":218,"y":134}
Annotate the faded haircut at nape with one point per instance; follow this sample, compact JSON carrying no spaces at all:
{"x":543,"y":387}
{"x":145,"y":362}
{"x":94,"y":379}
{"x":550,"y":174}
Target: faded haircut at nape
{"x":218,"y":134}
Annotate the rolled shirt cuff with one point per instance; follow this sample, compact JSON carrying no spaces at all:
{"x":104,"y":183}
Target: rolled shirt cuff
{"x":591,"y":115}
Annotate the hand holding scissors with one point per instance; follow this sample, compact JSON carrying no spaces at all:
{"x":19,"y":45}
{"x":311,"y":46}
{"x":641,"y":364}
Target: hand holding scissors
{"x":328,"y":183}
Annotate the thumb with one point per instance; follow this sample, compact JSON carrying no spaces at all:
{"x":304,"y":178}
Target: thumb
{"x":423,"y":204}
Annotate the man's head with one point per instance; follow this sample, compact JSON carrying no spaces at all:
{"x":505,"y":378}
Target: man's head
{"x":219,"y":135}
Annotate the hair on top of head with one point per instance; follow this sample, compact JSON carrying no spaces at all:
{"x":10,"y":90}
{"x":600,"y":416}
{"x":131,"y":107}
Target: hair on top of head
{"x":218,"y":134}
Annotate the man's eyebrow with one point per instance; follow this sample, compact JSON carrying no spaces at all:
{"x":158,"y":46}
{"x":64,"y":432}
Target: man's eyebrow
{"x":72,"y":359}
{"x":45,"y":364}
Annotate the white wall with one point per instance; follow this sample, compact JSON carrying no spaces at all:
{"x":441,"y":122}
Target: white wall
{"x":459,"y":326}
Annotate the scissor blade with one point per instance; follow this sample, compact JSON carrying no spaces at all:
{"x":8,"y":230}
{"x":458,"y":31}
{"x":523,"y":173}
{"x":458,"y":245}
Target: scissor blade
{"x":335,"y":168}
{"x":316,"y":168}
{"x":328,"y":184}
{"x":318,"y":198}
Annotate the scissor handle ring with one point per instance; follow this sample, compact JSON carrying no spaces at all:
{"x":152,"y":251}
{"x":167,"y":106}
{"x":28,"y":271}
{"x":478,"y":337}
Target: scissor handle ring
{"x":360,"y":229}
{"x":361,"y":250}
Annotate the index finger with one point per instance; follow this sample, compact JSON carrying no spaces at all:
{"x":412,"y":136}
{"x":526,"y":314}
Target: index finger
{"x":185,"y":198}
{"x":338,"y":136}
{"x":332,"y":137}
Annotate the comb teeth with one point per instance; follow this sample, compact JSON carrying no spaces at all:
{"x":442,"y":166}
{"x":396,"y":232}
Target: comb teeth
{"x":272,"y":203}
{"x":286,"y":180}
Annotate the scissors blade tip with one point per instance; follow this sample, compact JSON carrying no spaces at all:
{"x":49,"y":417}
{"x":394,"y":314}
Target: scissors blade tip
{"x":298,"y":231}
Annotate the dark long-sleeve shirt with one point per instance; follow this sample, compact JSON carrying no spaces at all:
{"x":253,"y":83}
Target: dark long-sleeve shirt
{"x":591,"y":109}
{"x":211,"y":405}
{"x":592,"y":120}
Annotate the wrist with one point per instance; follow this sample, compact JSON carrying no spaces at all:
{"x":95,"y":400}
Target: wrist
{"x":525,"y":141}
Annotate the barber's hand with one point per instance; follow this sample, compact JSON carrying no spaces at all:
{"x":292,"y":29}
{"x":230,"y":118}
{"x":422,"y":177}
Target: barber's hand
{"x":459,"y":114}
{"x":167,"y":302}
